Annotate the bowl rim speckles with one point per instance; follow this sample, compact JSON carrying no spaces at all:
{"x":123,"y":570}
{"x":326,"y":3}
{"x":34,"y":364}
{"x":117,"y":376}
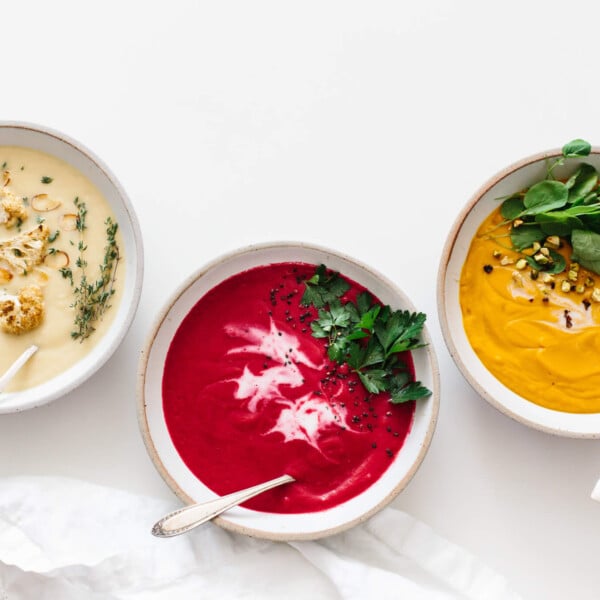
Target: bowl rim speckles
{"x":518,"y":175}
{"x":53,"y":142}
{"x":270,"y":525}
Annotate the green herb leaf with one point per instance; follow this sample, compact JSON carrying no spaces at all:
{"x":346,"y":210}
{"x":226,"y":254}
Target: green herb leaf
{"x":374,"y":354}
{"x":557,"y":264}
{"x":580,"y":210}
{"x":337,"y":350}
{"x":586,"y":249}
{"x":323,"y":287}
{"x":591,"y":222}
{"x":364,"y":301}
{"x":558,"y":223}
{"x":46,"y":179}
{"x":367,"y":320}
{"x":317,"y":330}
{"x":367,"y":336}
{"x":401,"y":331}
{"x":339,"y":314}
{"x":525,"y":235}
{"x":512,"y":208}
{"x":576,"y":148}
{"x":373,"y":380}
{"x":312,"y":296}
{"x":545,"y":196}
{"x":412,"y":391}
{"x":585,"y":181}
{"x":356,"y":356}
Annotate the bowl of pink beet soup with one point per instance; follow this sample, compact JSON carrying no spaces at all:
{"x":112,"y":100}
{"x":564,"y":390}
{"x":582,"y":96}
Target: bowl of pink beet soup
{"x":235,"y":389}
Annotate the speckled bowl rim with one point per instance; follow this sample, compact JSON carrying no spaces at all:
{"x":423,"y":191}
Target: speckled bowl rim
{"x":222,"y":521}
{"x":136,"y":285}
{"x":442,"y":300}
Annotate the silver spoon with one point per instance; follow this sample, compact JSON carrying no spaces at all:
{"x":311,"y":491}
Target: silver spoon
{"x":16,"y":366}
{"x":188,"y":517}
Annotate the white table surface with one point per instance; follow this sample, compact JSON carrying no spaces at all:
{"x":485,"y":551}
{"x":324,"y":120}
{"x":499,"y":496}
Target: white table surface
{"x":360,"y":126}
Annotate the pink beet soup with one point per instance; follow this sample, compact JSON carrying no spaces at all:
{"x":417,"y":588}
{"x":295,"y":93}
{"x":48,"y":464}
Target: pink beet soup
{"x":249,"y":394}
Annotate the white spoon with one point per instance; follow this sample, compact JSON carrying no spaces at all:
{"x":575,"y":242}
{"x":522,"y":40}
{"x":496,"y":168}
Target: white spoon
{"x":188,"y":517}
{"x":16,"y":366}
{"x":596,"y":491}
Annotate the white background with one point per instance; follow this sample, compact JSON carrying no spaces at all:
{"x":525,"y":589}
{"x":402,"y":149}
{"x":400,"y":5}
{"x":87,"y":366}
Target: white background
{"x":364,"y":127}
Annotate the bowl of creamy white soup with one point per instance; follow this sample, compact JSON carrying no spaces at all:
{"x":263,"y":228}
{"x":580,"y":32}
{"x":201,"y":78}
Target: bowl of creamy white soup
{"x":70,"y":263}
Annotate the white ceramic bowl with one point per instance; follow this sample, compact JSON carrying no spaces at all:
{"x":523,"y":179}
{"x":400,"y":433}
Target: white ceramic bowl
{"x":61,"y":146}
{"x":189,"y":488}
{"x":516,"y":177}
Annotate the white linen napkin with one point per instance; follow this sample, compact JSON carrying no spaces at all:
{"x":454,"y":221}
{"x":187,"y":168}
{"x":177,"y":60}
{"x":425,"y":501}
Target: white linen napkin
{"x":64,"y":539}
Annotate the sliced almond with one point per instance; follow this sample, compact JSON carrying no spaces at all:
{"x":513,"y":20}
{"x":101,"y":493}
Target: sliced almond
{"x":43,"y":203}
{"x":5,"y":178}
{"x":68,"y":222}
{"x":5,"y":276}
{"x":57,"y":260}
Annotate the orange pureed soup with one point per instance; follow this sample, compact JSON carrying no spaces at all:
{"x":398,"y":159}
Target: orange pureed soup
{"x":538,"y":338}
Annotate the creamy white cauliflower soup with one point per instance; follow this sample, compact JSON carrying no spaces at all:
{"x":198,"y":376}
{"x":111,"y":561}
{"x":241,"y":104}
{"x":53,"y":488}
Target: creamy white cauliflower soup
{"x":61,"y":265}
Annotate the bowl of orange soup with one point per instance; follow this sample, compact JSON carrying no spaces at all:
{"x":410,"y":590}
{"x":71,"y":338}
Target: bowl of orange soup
{"x":287,"y":358}
{"x":519,"y":291}
{"x":70,"y":263}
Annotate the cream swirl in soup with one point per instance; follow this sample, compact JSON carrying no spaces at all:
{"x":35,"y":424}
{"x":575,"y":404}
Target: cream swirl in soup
{"x":61,"y":264}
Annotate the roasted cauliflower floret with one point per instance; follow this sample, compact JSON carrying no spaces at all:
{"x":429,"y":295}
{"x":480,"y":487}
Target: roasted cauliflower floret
{"x":23,"y":312}
{"x":25,"y":250}
{"x":12,"y":210}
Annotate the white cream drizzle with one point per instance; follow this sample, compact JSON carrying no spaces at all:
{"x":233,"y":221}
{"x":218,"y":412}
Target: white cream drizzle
{"x":305,"y":419}
{"x":302,"y":419}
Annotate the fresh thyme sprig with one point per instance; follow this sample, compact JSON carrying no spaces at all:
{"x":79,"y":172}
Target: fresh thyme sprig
{"x":92,"y":299}
{"x":367,"y":336}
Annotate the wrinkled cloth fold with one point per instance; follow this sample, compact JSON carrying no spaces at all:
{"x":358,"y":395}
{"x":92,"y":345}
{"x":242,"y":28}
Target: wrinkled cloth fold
{"x":64,"y":539}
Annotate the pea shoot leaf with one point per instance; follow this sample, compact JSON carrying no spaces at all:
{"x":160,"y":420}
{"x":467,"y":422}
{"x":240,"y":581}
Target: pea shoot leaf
{"x":557,"y":223}
{"x":525,"y":235}
{"x":586,"y":249}
{"x":557,"y":264}
{"x":544,"y":196}
{"x":512,"y":207}
{"x":576,"y":148}
{"x":585,"y":181}
{"x":551,"y":207}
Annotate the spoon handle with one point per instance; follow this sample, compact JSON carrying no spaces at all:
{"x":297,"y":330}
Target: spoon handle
{"x":16,"y":366}
{"x":188,"y":517}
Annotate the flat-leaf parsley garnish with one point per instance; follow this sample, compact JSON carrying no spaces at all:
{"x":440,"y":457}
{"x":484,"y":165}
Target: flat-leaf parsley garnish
{"x":369,"y":337}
